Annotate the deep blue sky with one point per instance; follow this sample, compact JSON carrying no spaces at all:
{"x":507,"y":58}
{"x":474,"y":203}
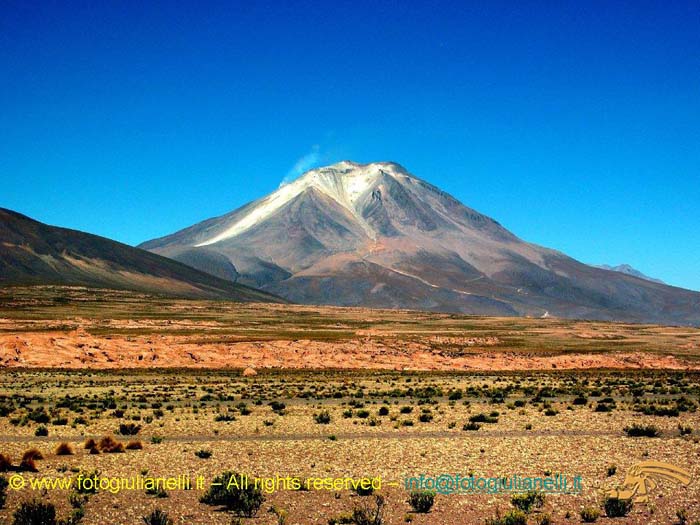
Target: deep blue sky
{"x":575,"y":124}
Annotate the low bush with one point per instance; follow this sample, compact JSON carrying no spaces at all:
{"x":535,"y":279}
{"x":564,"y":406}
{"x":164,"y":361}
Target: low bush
{"x":580,"y":400}
{"x":514,"y":517}
{"x":64,"y":449}
{"x":28,"y":460}
{"x":5,"y":463}
{"x":483,"y":418}
{"x":616,"y":507}
{"x":590,"y":514}
{"x":364,"y":490}
{"x":35,"y":512}
{"x":637,"y":430}
{"x":110,"y":445}
{"x":421,"y":500}
{"x":233,"y":491}
{"x":369,"y":514}
{"x":157,"y":517}
{"x":157,"y":491}
{"x":425,"y":417}
{"x":129,"y":429}
{"x":323,"y":418}
{"x":528,"y":501}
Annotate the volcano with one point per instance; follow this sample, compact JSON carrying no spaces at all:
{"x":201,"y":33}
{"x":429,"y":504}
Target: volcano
{"x":375,"y":235}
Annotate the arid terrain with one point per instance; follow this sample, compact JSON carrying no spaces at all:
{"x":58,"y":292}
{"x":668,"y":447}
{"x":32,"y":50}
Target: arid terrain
{"x":79,"y":328}
{"x":171,"y":388}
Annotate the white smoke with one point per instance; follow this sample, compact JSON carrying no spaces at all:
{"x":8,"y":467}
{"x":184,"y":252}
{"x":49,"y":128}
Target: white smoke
{"x":311,"y":160}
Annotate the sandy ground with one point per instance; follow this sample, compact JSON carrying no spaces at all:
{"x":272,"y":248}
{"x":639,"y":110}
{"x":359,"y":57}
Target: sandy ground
{"x":579,"y":441}
{"x":78,"y":349}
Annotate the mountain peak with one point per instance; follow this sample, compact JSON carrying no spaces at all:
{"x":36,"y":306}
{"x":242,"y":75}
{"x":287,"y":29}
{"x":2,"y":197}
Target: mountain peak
{"x":345,"y":182}
{"x":375,"y":235}
{"x":347,"y":169}
{"x":629,"y":270}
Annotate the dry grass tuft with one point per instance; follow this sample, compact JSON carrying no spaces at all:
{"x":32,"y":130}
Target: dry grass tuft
{"x":110,"y":445}
{"x":5,"y":463}
{"x":64,"y":449}
{"x":32,"y":453}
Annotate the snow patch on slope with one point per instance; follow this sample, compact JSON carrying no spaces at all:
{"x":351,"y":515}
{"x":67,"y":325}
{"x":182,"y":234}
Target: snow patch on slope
{"x":344,"y":182}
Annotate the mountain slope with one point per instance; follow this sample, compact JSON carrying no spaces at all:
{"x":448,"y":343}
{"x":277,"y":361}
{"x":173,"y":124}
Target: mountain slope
{"x":35,"y":253}
{"x":375,"y":235}
{"x":629,"y":270}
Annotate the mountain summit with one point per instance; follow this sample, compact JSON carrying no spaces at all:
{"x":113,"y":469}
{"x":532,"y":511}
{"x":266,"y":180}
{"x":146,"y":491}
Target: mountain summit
{"x":629,"y":270}
{"x":375,"y":235}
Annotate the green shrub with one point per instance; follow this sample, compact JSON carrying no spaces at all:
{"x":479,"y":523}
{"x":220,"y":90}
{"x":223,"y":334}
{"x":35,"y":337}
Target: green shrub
{"x":616,"y":507}
{"x":364,"y":489}
{"x":157,"y":517}
{"x":684,"y":431}
{"x":157,"y":491}
{"x":203,"y":454}
{"x":589,"y":514}
{"x":514,"y":517}
{"x":236,"y":493}
{"x":77,"y":500}
{"x":129,"y":429}
{"x":421,"y":500}
{"x":637,"y":430}
{"x":39,"y":416}
{"x":483,"y":418}
{"x":88,"y":488}
{"x":323,"y":418}
{"x":528,"y":501}
{"x":35,"y":513}
{"x":369,"y":514}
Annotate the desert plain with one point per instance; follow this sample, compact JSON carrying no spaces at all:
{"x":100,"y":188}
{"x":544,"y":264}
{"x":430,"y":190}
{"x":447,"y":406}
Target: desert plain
{"x":169,"y":388}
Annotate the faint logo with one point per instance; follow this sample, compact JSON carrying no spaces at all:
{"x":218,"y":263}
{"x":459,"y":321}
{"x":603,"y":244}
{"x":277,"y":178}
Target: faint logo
{"x":644,"y":477}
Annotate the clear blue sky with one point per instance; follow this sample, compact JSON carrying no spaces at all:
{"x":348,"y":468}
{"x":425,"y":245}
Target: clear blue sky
{"x":575,"y":124}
